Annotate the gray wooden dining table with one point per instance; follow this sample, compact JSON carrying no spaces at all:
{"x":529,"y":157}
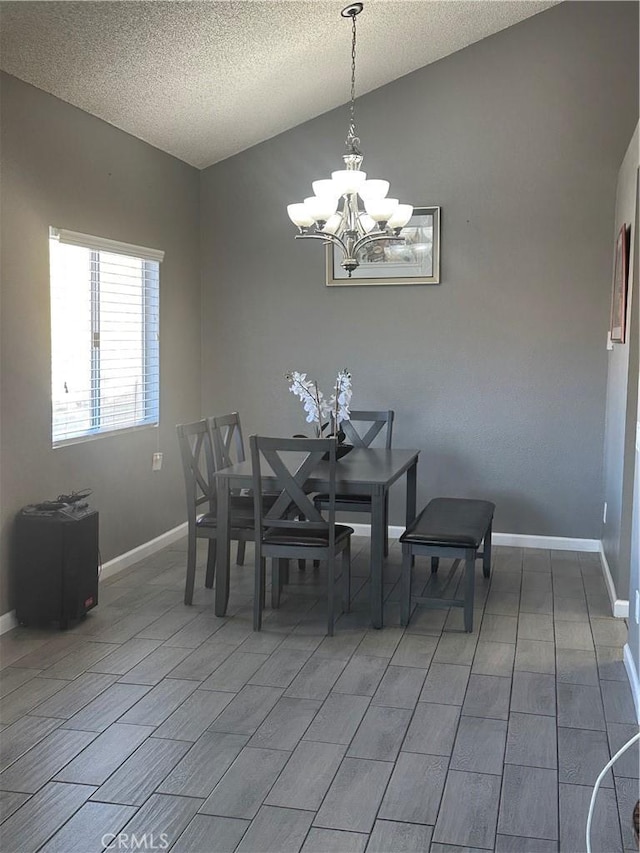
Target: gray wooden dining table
{"x":363,"y":471}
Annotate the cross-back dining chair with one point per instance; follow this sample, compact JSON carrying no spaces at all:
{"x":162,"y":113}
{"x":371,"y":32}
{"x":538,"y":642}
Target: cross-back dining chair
{"x":199,"y":466}
{"x":228,"y":448}
{"x":228,"y":441}
{"x":361,"y":431}
{"x":282,"y":534}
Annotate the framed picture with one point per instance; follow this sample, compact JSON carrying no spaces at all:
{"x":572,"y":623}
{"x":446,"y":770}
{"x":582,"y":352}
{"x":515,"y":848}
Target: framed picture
{"x":416,"y":261}
{"x":619,"y":294}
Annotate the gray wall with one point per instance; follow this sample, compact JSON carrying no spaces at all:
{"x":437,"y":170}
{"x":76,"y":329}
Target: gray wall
{"x":499,"y":373}
{"x":634,"y":579}
{"x":622,"y":399}
{"x":63,"y":167}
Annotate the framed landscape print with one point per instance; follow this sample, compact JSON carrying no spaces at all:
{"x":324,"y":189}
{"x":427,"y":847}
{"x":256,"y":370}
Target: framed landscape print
{"x":415,"y":261}
{"x":619,"y":293}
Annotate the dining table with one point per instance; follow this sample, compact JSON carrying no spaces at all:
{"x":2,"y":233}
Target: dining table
{"x":362,"y":471}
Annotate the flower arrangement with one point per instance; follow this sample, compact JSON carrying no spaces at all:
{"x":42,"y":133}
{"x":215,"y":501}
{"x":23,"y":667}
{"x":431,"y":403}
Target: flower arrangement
{"x":319,"y":409}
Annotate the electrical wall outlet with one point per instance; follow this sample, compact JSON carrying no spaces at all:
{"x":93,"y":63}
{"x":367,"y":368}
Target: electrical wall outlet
{"x":156,"y":464}
{"x":604,"y":513}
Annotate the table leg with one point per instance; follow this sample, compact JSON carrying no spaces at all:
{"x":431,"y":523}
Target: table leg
{"x":222,"y":568}
{"x":377,"y":555}
{"x":412,"y":483}
{"x":412,"y":488}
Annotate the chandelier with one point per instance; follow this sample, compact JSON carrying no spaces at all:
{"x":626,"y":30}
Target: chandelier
{"x":351,"y":227}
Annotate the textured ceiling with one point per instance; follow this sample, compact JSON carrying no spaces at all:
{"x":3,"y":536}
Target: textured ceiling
{"x":205,"y":80}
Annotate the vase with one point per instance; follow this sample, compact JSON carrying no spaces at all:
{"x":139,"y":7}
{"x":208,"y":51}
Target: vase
{"x":342,"y":449}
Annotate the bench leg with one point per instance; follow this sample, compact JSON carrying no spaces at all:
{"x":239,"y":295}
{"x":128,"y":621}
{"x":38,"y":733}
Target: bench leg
{"x":405,"y":585}
{"x":469,"y":583}
{"x":435,"y":562}
{"x":486,"y":551}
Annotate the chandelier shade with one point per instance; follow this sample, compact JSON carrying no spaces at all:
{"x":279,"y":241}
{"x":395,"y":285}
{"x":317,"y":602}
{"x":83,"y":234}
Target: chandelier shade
{"x":334,"y":213}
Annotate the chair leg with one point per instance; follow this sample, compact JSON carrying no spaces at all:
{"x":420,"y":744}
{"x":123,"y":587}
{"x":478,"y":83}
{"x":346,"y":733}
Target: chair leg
{"x":486,"y":552}
{"x":259,"y":592}
{"x":469,"y":582}
{"x":435,"y":562}
{"x":346,"y":578}
{"x":276,"y":581}
{"x":405,"y":585}
{"x":240,"y":553}
{"x":191,"y":569}
{"x":211,"y":563}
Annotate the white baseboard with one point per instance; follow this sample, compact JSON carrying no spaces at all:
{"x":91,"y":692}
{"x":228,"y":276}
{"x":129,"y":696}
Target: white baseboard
{"x":8,"y":621}
{"x":119,"y":564}
{"x":619,"y":606}
{"x":634,"y":680}
{"x":554,"y":543}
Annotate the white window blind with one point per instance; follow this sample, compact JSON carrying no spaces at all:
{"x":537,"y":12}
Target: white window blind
{"x":104,"y":335}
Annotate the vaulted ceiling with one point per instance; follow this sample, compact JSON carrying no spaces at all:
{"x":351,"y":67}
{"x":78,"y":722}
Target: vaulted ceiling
{"x":205,"y":80}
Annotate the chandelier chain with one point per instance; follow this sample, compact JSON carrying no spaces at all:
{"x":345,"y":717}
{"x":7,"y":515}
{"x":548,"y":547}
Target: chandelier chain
{"x":352,"y":109}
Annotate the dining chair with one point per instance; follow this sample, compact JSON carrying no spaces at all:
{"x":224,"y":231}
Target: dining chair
{"x":228,"y":448}
{"x":360,"y":431}
{"x":283,"y":535}
{"x":199,"y":466}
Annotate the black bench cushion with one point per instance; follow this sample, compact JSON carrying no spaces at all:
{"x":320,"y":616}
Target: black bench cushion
{"x":451,"y":522}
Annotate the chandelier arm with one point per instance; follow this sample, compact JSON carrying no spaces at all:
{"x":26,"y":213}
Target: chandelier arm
{"x":326,"y":238}
{"x":374,"y":238}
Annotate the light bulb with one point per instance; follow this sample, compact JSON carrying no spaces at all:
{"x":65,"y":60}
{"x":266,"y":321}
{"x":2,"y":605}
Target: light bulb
{"x":348,"y":180}
{"x":373,"y":189}
{"x":400,"y":216}
{"x":299,"y":215}
{"x":381,"y":209}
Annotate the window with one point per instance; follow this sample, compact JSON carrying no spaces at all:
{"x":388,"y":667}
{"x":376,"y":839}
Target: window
{"x":104,"y":335}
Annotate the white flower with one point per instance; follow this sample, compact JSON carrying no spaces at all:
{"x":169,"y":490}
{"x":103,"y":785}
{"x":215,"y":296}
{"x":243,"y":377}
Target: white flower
{"x":316,"y":407}
{"x":342,"y":397}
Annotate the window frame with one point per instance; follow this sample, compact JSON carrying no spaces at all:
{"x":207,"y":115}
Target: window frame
{"x":149,"y":326}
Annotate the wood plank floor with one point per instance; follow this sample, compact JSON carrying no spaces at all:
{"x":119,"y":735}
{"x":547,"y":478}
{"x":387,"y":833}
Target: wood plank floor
{"x":196,"y":734}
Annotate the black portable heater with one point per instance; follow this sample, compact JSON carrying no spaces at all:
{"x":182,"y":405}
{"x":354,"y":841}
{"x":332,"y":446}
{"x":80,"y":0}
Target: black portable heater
{"x":56,"y":561}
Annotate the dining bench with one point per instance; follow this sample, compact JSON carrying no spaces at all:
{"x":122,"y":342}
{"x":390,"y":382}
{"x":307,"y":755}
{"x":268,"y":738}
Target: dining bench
{"x":452,"y":528}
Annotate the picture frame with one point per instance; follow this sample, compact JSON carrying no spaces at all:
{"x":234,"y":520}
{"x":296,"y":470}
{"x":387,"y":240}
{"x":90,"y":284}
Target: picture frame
{"x":417,"y":261}
{"x":619,"y":290}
